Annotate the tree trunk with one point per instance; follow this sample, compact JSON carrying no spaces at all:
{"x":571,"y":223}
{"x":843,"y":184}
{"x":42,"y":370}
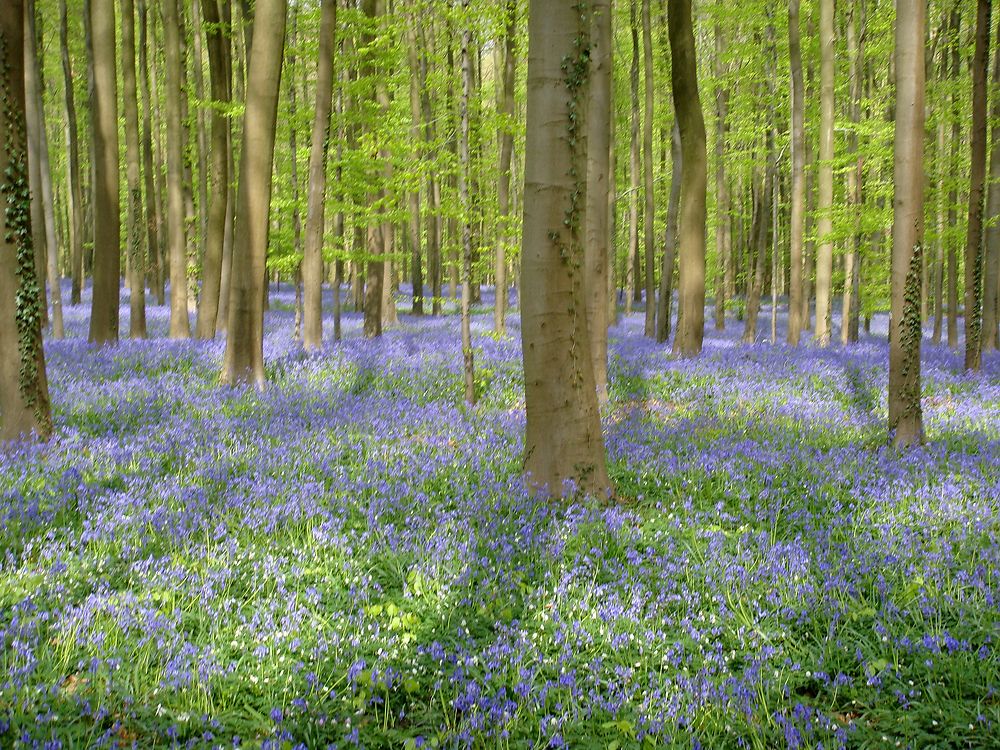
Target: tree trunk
{"x":905,"y":419}
{"x":74,"y":193}
{"x":694,"y":178}
{"x":798,"y":197}
{"x":599,"y":177}
{"x":632,"y":262}
{"x":135,"y":231}
{"x":107,"y":222}
{"x":465,"y":167}
{"x":824,"y":224}
{"x":852,"y":262}
{"x":24,"y":396}
{"x":416,"y":115}
{"x":723,"y":235}
{"x":991,"y":259}
{"x":647,"y":170}
{"x":670,"y":240}
{"x":506,"y":138}
{"x":312,"y":262}
{"x":155,"y":278}
{"x":977,"y":181}
{"x":244,"y":359}
{"x":201,"y":142}
{"x":220,"y":81}
{"x":179,"y":323}
{"x":958,"y":117}
{"x":35,"y":103}
{"x":39,"y":240}
{"x":939,"y":268}
{"x":564,"y":447}
{"x":373,"y":303}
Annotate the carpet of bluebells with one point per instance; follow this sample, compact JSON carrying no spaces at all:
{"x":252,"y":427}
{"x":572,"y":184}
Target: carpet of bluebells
{"x":351,"y":557}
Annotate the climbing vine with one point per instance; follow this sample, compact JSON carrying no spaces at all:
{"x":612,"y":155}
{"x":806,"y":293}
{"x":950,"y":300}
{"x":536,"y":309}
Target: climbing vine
{"x":911,"y":332}
{"x":17,"y":232}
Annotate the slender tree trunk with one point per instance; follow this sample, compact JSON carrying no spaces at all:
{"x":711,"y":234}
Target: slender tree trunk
{"x":958,"y":117}
{"x":632,"y":263}
{"x":218,"y":177}
{"x":36,"y":126}
{"x":977,"y":181}
{"x":723,"y":235}
{"x":670,"y":239}
{"x":506,"y":139}
{"x":463,"y":190}
{"x":798,"y":197}
{"x":599,"y":177}
{"x":905,"y":418}
{"x":179,"y":323}
{"x":939,"y":268}
{"x":152,"y":235}
{"x":24,"y":395}
{"x":852,"y":261}
{"x":312,"y":263}
{"x":34,"y":84}
{"x":991,"y":259}
{"x":244,"y":359}
{"x":74,"y":193}
{"x":376,"y":263}
{"x":762,"y":215}
{"x":647,"y":170}
{"x":107,"y":223}
{"x":687,"y":104}
{"x":563,"y":441}
{"x":419,"y":148}
{"x":136,"y":230}
{"x":201,"y":142}
{"x":824,"y":257}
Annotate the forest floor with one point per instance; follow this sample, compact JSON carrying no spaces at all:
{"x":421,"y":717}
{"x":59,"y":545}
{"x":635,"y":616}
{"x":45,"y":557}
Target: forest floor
{"x":351,"y":557}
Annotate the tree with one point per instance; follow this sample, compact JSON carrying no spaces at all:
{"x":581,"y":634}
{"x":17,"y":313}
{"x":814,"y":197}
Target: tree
{"x":905,"y":416}
{"x":37,"y":132}
{"x":506,"y":108}
{"x":74,"y":193}
{"x":220,"y":82}
{"x":694,"y":178}
{"x":647,"y":172}
{"x":24,"y":396}
{"x":312,"y":262}
{"x":991,"y":251}
{"x":375,"y":264}
{"x":563,"y":440}
{"x":977,"y":181}
{"x":798,"y":193}
{"x":723,"y":237}
{"x":599,"y":178}
{"x":136,"y":230}
{"x":180,"y":327}
{"x":107,"y":220}
{"x":824,"y":224}
{"x":468,"y":365}
{"x":244,"y":359}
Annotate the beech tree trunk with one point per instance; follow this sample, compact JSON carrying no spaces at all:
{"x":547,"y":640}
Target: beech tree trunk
{"x":416,"y":115}
{"x":694,"y":177}
{"x":465,"y":167}
{"x":176,"y":238}
{"x":670,"y":240}
{"x":824,"y":223}
{"x":155,"y":275}
{"x":632,"y":262}
{"x":35,"y":104}
{"x":852,"y":262}
{"x":958,"y":117}
{"x":24,"y":396}
{"x":564,"y":447}
{"x":312,"y":262}
{"x":798,"y":194}
{"x":647,"y":171}
{"x":135,"y":230}
{"x":991,"y":258}
{"x":220,"y":82}
{"x":107,"y":222}
{"x":506,"y":108}
{"x":376,"y":260}
{"x":74,"y":192}
{"x":977,"y":182}
{"x":905,"y":416}
{"x":244,"y":359}
{"x":600,"y":175}
{"x":723,"y":233}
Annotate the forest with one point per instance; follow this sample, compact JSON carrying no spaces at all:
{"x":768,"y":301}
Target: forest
{"x":499,"y":374}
